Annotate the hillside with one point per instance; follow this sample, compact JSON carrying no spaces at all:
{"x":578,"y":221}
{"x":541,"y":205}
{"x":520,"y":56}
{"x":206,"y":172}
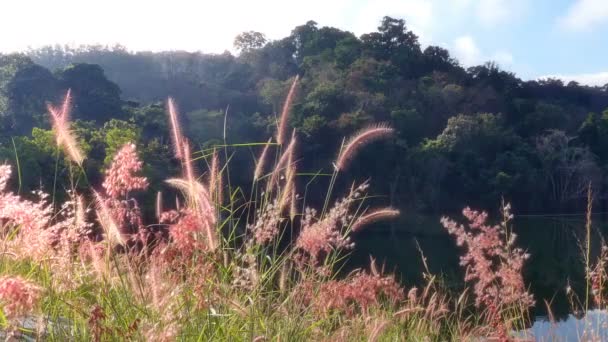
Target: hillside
{"x":465,"y":136}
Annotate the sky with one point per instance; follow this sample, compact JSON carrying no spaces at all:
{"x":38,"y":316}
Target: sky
{"x":567,"y":39}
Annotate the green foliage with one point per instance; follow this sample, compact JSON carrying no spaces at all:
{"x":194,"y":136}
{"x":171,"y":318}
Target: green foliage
{"x":96,"y":98}
{"x":408,"y":122}
{"x":206,"y":125}
{"x":116,"y":134}
{"x":251,"y":40}
{"x":594,"y":133}
{"x":480,"y":131}
{"x":312,"y":125}
{"x":25,"y":89}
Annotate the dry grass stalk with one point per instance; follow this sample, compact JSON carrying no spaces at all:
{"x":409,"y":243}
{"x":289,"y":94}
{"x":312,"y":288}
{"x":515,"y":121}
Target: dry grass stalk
{"x":159,"y":204}
{"x":379,"y":327}
{"x":215,"y":178}
{"x":293,"y":209}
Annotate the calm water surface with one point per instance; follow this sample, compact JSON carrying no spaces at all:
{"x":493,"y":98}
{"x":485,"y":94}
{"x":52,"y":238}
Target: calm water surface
{"x":553,"y":242}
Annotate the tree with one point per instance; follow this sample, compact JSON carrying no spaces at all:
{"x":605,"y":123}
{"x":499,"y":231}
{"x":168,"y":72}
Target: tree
{"x":594,"y":133}
{"x":95,"y":97}
{"x":392,"y":36}
{"x":116,"y":134}
{"x":248,"y":41}
{"x":29,"y":90}
{"x":438,"y":58}
{"x":569,"y":170}
{"x":24,"y":90}
{"x":481,"y":132}
{"x":395,"y":43}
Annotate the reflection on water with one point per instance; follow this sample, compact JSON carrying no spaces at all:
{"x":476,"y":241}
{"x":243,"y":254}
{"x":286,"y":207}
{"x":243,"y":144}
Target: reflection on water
{"x":592,"y":327}
{"x":553,"y":242}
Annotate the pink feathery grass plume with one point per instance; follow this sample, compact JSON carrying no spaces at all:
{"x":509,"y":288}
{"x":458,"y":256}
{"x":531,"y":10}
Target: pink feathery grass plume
{"x":259,"y":166}
{"x":198,"y":196}
{"x":288,"y":153}
{"x":284,"y":162}
{"x":108,"y":223}
{"x":290,"y":176}
{"x":80,"y":212}
{"x":32,"y":221}
{"x":289,"y":188}
{"x":185,"y":233}
{"x":188,"y":164}
{"x":374,"y":216}
{"x":267,"y":223}
{"x":320,"y":236}
{"x":61,"y":127}
{"x":377,"y":329}
{"x":29,"y":216}
{"x":356,"y":294}
{"x":494,"y":265}
{"x":282,"y":128}
{"x":18,"y":297}
{"x":200,"y":207}
{"x":176,"y":130}
{"x":120,"y":178}
{"x":198,"y":199}
{"x":362,"y":138}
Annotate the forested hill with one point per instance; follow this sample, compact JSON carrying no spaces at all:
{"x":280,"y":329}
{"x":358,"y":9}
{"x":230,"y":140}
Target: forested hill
{"x":465,"y":136}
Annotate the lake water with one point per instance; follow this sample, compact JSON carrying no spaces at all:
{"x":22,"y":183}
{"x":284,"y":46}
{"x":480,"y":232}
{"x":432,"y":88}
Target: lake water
{"x":591,"y":327}
{"x":554,"y":243}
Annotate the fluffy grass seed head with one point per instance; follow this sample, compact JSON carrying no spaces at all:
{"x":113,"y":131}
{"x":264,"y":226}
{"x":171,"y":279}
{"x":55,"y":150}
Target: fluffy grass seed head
{"x":358,"y":141}
{"x":282,"y":128}
{"x":60,"y":117}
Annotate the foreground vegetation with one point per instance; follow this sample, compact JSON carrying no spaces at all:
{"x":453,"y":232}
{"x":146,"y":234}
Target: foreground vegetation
{"x":219,"y":264}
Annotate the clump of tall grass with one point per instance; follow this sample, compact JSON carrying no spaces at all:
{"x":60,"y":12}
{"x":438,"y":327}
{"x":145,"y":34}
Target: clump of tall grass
{"x":494,"y":265}
{"x":221,"y":265}
{"x":206,"y":267}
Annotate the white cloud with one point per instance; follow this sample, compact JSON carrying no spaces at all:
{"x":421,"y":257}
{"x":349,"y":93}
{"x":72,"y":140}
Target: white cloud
{"x":209,"y":26}
{"x":591,"y":79}
{"x":584,"y":14}
{"x":466,"y":51}
{"x":491,"y":12}
{"x":503,"y":58}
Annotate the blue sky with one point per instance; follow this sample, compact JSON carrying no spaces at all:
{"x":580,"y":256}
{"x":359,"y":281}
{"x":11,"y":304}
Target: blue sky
{"x":533,"y":38}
